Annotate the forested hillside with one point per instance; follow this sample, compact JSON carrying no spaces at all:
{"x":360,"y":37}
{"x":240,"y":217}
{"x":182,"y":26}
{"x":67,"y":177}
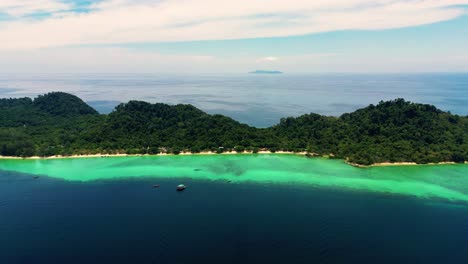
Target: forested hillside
{"x":393,"y":131}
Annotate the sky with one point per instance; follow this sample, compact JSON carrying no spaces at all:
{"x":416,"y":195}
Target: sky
{"x":221,"y":36}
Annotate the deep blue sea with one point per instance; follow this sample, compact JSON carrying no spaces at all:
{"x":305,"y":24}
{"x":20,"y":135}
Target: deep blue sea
{"x":47,"y":220}
{"x":259,"y":100}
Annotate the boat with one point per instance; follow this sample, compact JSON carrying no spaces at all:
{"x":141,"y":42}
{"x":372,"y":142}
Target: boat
{"x":156,"y":186}
{"x":180,"y":187}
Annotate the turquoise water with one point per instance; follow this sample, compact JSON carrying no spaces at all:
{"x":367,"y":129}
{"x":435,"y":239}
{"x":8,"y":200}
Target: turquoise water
{"x":449,"y":182}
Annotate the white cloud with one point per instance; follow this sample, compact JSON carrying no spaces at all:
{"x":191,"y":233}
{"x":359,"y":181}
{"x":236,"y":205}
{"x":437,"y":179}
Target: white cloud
{"x":133,"y":21}
{"x":17,"y":8}
{"x":268,"y":59}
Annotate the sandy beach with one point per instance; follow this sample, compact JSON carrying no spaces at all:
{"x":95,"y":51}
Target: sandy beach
{"x":388,"y":164}
{"x":161,"y":154}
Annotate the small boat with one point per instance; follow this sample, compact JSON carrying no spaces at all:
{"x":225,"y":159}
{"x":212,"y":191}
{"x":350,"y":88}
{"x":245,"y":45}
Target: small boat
{"x":35,"y":177}
{"x":156,"y":186}
{"x":180,"y":187}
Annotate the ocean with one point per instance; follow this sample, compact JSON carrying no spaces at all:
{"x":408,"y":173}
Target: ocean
{"x":258,"y":100}
{"x":236,"y":209}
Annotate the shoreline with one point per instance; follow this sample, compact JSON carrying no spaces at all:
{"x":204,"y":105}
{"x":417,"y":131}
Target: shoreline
{"x":149,"y":155}
{"x":313,"y":155}
{"x":396,"y":164}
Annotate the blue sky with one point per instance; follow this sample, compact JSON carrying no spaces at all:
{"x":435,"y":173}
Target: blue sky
{"x":451,"y":36}
{"x":226,"y":36}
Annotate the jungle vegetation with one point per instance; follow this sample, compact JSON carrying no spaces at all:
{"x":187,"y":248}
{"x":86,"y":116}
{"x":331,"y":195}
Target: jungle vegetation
{"x":393,"y":131}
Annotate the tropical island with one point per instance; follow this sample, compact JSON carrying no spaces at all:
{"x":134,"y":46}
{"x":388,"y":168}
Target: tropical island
{"x":390,"y":132}
{"x":265,"y":72}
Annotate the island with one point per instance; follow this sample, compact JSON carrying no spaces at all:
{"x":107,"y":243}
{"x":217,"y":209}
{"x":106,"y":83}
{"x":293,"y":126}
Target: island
{"x":265,"y":72}
{"x":395,"y":131}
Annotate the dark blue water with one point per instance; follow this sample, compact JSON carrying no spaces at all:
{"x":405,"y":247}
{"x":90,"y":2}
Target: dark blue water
{"x":127,"y":221}
{"x":259,"y":100}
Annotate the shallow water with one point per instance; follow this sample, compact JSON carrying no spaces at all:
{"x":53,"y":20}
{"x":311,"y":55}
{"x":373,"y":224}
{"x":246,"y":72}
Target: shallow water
{"x":448,"y":182}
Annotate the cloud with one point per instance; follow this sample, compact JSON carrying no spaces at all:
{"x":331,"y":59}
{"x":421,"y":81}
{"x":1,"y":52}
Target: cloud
{"x":268,"y":59}
{"x":139,"y":21}
{"x":18,"y":8}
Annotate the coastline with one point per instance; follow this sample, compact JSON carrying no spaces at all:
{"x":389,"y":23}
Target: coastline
{"x":381,"y":164}
{"x":150,"y":155}
{"x":396,"y":164}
